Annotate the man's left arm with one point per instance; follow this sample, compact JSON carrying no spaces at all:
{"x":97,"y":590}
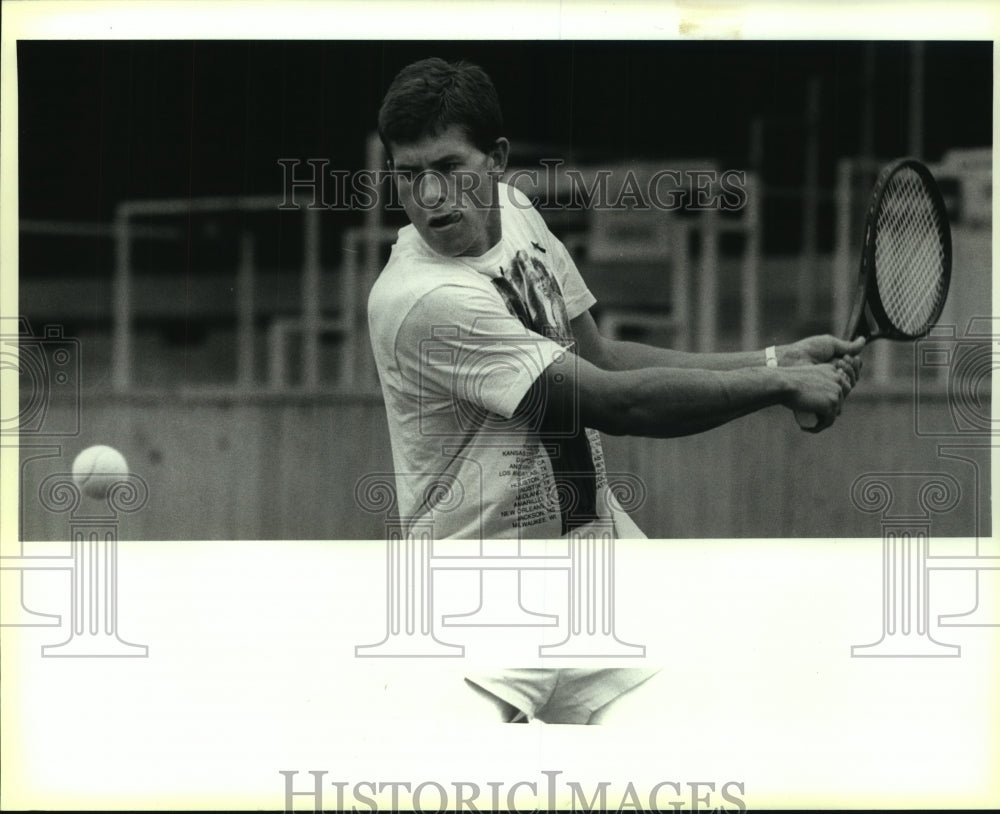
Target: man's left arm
{"x":611,"y":354}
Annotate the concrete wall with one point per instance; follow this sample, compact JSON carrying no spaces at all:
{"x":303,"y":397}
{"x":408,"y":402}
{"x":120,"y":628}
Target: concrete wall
{"x":285,"y":468}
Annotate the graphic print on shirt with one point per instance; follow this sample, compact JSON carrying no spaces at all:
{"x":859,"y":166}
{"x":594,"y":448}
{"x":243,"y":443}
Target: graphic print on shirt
{"x":533,"y":295}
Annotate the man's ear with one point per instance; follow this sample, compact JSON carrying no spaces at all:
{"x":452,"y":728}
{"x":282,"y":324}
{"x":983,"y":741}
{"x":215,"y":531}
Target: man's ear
{"x":498,"y":155}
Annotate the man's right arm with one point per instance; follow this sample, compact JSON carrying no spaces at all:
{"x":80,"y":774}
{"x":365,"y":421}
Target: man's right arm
{"x":670,"y":402}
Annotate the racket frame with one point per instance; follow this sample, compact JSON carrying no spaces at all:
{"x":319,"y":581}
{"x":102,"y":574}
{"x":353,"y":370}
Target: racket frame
{"x":868,"y":317}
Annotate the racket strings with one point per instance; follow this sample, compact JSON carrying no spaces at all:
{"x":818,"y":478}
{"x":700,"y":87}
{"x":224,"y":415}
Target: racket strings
{"x":910,"y":255}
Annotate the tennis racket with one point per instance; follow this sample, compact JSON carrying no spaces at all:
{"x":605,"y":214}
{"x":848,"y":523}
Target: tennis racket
{"x":905,"y":260}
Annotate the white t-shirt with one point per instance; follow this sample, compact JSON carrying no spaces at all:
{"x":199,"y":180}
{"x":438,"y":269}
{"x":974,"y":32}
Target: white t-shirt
{"x":458,"y":343}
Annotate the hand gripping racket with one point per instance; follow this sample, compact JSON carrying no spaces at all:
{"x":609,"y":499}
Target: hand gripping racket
{"x":905,"y":260}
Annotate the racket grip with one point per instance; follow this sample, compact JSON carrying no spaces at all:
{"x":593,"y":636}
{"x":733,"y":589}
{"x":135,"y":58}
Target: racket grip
{"x":806,"y":421}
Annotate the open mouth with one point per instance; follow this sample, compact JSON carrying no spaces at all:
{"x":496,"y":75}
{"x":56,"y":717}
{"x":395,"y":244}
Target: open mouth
{"x":444,"y":221}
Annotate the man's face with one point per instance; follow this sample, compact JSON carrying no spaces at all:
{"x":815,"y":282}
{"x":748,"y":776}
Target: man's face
{"x":447,"y":188}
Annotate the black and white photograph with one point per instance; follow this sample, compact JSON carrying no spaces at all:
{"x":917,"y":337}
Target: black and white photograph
{"x":588,"y":412}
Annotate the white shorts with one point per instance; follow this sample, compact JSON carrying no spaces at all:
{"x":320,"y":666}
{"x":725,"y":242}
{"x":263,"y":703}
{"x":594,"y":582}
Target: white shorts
{"x":560,"y":695}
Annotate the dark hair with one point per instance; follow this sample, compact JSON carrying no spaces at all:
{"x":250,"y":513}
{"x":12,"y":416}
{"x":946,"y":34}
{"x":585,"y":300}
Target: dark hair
{"x":429,"y":96}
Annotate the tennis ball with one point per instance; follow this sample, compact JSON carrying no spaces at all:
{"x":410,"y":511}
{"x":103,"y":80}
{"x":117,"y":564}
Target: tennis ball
{"x":96,"y":468}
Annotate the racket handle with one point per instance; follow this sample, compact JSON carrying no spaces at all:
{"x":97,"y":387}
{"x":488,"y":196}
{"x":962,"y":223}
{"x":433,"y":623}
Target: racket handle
{"x":806,"y":421}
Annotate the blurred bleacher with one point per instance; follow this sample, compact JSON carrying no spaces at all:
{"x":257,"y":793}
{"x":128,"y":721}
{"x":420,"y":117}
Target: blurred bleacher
{"x":239,"y":293}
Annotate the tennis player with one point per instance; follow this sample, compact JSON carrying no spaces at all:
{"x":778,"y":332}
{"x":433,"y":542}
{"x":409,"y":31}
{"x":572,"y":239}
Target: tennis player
{"x":496,"y":380}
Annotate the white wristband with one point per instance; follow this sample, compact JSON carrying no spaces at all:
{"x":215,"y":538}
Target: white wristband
{"x":771,"y":356}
